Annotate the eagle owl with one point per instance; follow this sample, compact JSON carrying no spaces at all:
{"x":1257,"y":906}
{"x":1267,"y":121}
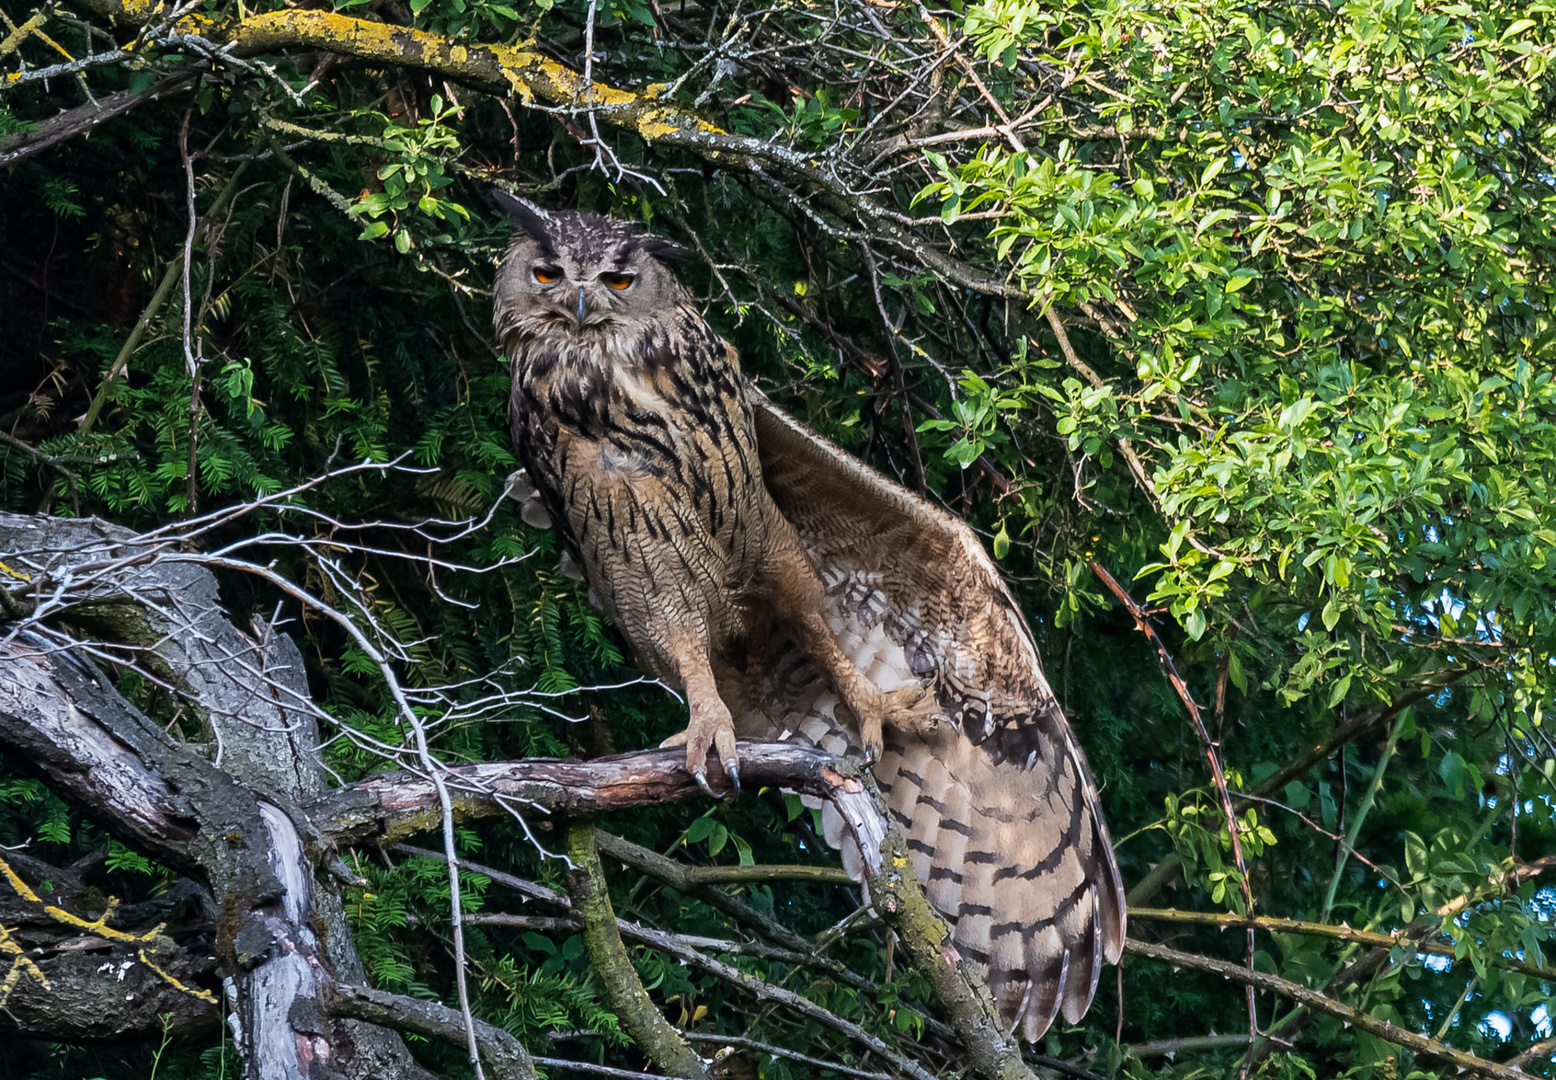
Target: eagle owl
{"x":793,"y":592}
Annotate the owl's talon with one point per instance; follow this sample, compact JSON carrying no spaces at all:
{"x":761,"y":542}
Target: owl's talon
{"x":702,"y":781}
{"x":734,"y":774}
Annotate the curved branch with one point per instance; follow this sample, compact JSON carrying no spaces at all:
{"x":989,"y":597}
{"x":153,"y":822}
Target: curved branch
{"x":541,"y":82}
{"x":503,"y":1054}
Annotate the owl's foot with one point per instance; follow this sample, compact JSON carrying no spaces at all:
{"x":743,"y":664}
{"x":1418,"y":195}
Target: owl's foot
{"x":909,"y":709}
{"x":711,"y":728}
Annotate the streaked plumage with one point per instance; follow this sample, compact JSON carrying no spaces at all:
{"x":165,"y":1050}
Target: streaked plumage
{"x":763,"y":569}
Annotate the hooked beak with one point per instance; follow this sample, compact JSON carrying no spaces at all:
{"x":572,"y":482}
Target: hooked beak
{"x":582,"y":307}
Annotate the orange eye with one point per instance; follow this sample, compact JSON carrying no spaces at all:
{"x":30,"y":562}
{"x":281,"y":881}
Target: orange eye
{"x":547,"y":274}
{"x":617,"y":281}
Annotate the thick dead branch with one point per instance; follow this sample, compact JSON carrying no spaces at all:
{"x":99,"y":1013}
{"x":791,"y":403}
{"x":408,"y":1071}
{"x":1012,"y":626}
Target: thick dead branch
{"x":503,"y":1054}
{"x":92,"y":974}
{"x":394,"y":806}
{"x":225,"y":820}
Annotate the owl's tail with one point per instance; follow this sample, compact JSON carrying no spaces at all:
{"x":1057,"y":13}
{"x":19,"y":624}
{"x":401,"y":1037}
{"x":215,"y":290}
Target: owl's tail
{"x":1014,"y":857}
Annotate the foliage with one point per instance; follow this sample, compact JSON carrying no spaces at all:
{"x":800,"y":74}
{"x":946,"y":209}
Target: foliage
{"x":1299,"y":256}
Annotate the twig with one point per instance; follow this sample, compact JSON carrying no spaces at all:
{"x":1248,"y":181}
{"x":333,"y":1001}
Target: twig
{"x":1539,"y":1051}
{"x":1348,"y":844}
{"x":686,"y":879}
{"x":1382,"y":1029}
{"x":1400,"y":938}
{"x":192,"y":363}
{"x":1212,"y":755}
{"x":158,"y":298}
{"x":1350,"y":732}
{"x":766,"y":991}
{"x":51,"y":462}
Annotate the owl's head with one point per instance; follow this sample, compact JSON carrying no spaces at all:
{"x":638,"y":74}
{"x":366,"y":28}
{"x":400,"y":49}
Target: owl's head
{"x":570,"y":272}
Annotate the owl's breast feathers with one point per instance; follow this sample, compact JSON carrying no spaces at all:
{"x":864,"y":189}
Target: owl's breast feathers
{"x":639,"y":439}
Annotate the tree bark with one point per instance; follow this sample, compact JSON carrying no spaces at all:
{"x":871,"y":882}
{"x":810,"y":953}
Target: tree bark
{"x":230,"y":826}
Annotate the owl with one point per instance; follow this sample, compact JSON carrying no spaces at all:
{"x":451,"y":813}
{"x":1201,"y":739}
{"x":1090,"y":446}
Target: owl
{"x":792,"y":592}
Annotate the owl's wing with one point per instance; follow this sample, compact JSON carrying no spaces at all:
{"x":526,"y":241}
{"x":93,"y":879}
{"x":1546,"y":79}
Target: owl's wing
{"x":1000,"y":811}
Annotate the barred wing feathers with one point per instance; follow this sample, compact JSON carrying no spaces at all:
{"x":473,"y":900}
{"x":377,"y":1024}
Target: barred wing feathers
{"x":999,"y":810}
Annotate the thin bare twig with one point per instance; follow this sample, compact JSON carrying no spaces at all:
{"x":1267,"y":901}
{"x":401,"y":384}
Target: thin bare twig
{"x":1212,"y":755}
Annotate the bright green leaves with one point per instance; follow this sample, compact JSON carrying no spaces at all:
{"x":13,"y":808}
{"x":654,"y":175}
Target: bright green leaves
{"x":1201,"y":838}
{"x":711,"y":829}
{"x":419,"y":167}
{"x":975,"y":421}
{"x":814,"y":120}
{"x":1316,"y":258}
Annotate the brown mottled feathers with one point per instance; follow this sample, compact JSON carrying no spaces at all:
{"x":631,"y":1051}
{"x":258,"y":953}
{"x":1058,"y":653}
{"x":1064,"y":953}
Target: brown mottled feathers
{"x":763,"y":570}
{"x":1001,"y":814}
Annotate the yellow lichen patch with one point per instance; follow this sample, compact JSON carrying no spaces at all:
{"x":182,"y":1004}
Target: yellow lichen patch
{"x":652,"y":128}
{"x":520,"y":87}
{"x":569,"y":82}
{"x":204,"y":995}
{"x":96,"y":926}
{"x":602,"y":94}
{"x":19,"y":965}
{"x":528,"y":74}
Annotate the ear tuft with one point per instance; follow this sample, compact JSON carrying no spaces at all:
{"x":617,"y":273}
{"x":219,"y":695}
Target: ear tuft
{"x":527,"y":216}
{"x":664,"y":250}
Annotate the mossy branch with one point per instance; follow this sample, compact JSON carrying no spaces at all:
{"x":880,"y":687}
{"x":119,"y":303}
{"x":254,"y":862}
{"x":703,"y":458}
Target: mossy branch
{"x":897,"y":895}
{"x":543,"y":83}
{"x":653,"y":1034}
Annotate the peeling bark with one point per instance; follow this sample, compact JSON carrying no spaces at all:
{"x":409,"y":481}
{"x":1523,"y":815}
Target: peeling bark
{"x":230,"y":826}
{"x":390,"y":807}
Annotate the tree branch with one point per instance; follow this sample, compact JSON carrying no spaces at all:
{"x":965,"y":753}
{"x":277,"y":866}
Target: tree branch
{"x":503,"y":1054}
{"x":393,"y":806}
{"x":1382,"y":1029}
{"x":653,"y":1034}
{"x":83,"y":118}
{"x":543,"y":83}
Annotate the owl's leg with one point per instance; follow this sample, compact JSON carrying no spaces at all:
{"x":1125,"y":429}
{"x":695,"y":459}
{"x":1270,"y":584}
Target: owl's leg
{"x":711,"y":725}
{"x":901,"y":709}
{"x":797,"y":596}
